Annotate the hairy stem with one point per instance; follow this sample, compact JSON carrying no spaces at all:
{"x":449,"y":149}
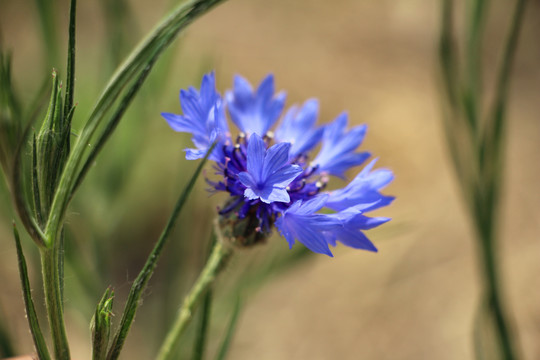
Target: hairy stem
{"x":218,"y":257}
{"x":53,"y":302}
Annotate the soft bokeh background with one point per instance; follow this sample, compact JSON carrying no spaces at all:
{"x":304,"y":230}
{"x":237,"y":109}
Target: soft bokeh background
{"x":415,"y":299}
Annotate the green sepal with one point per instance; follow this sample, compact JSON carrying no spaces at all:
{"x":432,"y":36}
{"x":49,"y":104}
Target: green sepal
{"x":101,"y":325}
{"x":49,"y":147}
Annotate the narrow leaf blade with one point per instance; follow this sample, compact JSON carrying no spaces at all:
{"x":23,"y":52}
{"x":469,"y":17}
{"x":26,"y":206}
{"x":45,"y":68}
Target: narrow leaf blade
{"x":224,"y":348}
{"x":144,"y":276}
{"x":37,"y":335}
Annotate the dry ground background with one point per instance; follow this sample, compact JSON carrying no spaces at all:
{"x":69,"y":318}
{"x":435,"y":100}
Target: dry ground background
{"x":416,"y":298}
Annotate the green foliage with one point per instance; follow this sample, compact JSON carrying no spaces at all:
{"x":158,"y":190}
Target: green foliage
{"x":224,"y":348}
{"x":10,"y":115}
{"x":33,"y":322}
{"x":475,"y":140}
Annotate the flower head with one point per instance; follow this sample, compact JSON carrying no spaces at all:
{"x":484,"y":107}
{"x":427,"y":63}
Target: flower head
{"x":269,"y":178}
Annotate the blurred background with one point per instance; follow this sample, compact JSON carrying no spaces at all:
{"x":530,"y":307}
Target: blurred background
{"x":415,"y":299}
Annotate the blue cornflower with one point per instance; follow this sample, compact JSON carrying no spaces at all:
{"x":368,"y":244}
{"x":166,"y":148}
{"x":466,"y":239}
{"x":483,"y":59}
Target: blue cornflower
{"x":270,"y":178}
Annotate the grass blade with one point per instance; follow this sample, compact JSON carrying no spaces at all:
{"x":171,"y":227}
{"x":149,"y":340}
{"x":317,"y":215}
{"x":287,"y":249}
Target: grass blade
{"x":37,"y":335}
{"x":495,"y":121}
{"x":144,"y":55}
{"x":204,"y":319}
{"x":70,"y":77}
{"x":224,"y":348}
{"x":202,"y":328}
{"x":144,"y":276}
{"x":111,"y":125}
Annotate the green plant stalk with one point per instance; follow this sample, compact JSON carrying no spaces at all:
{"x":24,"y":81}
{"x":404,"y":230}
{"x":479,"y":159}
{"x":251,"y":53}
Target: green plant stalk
{"x":491,"y":172}
{"x":70,"y":80}
{"x":53,"y":302}
{"x":148,"y":269}
{"x":220,"y":254}
{"x":472,"y":91}
{"x":202,"y":327}
{"x":224,"y":348}
{"x":481,"y":181}
{"x":33,"y":321}
{"x":153,"y":45}
{"x":493,"y":296}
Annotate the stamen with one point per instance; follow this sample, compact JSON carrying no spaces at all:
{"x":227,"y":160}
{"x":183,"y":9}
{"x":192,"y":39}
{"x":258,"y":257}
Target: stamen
{"x":240,"y":138}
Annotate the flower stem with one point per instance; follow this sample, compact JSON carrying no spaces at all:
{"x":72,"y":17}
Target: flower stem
{"x":53,"y":301}
{"x":220,"y":253}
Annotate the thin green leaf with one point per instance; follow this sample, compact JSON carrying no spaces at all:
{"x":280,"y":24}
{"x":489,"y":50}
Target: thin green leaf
{"x":215,"y":264}
{"x":472,"y":92}
{"x":33,"y":322}
{"x":203,"y":325}
{"x":111,"y":125}
{"x":447,"y":53}
{"x":204,"y":317}
{"x":496,"y":120}
{"x":144,"y":55}
{"x":144,"y":276}
{"x":21,"y":203}
{"x":35,"y":184}
{"x":70,"y":79}
{"x":225,"y":345}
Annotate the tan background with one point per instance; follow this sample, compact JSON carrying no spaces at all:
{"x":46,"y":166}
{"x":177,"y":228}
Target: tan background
{"x":417,"y":297}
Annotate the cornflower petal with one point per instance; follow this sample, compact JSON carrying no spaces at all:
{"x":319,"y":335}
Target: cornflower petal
{"x":297,"y":127}
{"x":337,"y":151}
{"x":276,"y":157}
{"x":254,"y":112}
{"x":203,"y":117}
{"x":363,"y":189}
{"x":255,"y":156}
{"x":299,"y":222}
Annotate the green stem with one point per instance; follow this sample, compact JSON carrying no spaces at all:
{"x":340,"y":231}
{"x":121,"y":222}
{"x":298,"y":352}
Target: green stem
{"x":220,"y":253}
{"x":53,"y":302}
{"x":493,"y":292}
{"x":148,"y":269}
{"x":144,"y":54}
